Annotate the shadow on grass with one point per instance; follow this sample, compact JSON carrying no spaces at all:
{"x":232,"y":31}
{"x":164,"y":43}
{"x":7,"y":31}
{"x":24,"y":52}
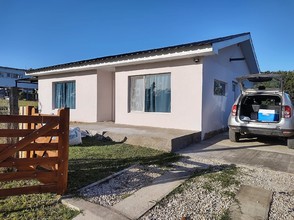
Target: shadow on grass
{"x":95,"y":160}
{"x":98,"y":140}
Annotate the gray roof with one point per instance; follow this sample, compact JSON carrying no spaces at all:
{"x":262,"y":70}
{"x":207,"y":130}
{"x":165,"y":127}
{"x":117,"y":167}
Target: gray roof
{"x":12,"y":68}
{"x":119,"y":56}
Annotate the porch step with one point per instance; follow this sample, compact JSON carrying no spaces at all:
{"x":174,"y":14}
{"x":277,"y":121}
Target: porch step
{"x":169,"y":140}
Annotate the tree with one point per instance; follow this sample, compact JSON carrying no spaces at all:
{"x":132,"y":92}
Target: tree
{"x":288,"y":81}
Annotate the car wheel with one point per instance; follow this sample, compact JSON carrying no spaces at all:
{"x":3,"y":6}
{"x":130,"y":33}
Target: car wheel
{"x":290,"y":143}
{"x":234,"y":136}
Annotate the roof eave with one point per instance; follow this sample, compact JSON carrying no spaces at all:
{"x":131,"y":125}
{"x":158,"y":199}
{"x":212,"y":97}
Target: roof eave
{"x":201,"y":51}
{"x":249,"y":53}
{"x":220,"y":45}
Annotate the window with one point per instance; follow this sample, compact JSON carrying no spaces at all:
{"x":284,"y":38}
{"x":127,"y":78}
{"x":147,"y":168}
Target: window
{"x":219,"y":88}
{"x":65,"y":94}
{"x":150,"y":93}
{"x":234,"y":86}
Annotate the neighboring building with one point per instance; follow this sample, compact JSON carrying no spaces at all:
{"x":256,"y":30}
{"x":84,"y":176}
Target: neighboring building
{"x":190,"y":86}
{"x":9,"y":77}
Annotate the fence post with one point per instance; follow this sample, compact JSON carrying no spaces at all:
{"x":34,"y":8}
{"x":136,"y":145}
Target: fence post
{"x":13,"y":109}
{"x":13,"y":101}
{"x":63,"y":145}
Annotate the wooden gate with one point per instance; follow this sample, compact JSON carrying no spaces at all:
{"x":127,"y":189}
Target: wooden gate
{"x":41,"y":152}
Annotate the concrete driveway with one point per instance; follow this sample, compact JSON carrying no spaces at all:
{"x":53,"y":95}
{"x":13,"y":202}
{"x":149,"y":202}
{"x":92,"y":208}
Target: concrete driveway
{"x":269,"y":153}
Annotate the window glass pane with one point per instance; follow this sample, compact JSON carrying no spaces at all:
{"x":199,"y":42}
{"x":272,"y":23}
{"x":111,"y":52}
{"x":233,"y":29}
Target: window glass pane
{"x":59,"y":95}
{"x":150,"y":93}
{"x":137,"y":93}
{"x":219,"y":88}
{"x":70,"y":99}
{"x":157,"y":93}
{"x":65,"y":95}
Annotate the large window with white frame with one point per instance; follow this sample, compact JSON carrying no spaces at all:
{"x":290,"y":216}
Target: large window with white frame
{"x":150,"y":93}
{"x":65,"y":94}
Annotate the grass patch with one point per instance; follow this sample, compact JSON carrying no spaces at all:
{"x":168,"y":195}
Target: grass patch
{"x":95,"y":160}
{"x":88,"y":163}
{"x":35,"y":206}
{"x":28,"y":103}
{"x":4,"y":102}
{"x":226,"y":177}
{"x":208,"y":186}
{"x":225,"y":215}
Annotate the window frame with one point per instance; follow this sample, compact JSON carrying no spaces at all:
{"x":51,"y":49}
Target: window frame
{"x":54,"y":94}
{"x":143,"y":76}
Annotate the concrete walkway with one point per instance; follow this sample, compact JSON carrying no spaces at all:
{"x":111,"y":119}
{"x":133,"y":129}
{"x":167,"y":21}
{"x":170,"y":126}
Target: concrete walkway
{"x":144,"y":199}
{"x":270,"y":153}
{"x":135,"y":205}
{"x":253,"y":203}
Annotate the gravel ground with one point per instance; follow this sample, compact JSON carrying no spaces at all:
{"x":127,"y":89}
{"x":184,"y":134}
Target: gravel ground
{"x":203,"y":197}
{"x":116,"y":189}
{"x":207,"y":195}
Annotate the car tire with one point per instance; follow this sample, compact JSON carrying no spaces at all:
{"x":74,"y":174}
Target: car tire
{"x":290,"y":143}
{"x":234,"y":136}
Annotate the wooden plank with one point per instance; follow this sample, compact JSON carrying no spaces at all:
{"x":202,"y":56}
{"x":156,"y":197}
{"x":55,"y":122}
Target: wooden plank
{"x":24,"y":133}
{"x":41,"y":146}
{"x":26,"y":118}
{"x":36,"y":174}
{"x":63,"y":148}
{"x":28,"y":190}
{"x":19,"y":162}
{"x":34,"y":146}
{"x":11,"y":150}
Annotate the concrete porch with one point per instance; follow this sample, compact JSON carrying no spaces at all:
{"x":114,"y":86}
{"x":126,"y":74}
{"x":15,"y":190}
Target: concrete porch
{"x":164,"y":139}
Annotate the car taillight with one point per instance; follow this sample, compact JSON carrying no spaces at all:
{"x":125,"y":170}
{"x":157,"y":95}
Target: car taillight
{"x":287,"y":111}
{"x":234,"y":110}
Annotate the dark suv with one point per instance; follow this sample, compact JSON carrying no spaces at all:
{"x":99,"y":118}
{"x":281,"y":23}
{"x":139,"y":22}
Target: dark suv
{"x":263,"y":108}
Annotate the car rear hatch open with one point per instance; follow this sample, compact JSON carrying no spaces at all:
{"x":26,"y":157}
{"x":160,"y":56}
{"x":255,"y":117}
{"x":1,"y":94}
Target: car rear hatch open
{"x":260,"y":83}
{"x":261,"y":100}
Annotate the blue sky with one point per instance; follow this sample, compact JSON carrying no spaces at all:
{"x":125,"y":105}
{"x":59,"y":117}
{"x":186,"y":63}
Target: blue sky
{"x":37,"y":33}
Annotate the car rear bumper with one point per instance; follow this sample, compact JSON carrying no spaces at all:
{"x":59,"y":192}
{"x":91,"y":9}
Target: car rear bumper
{"x":263,"y":131}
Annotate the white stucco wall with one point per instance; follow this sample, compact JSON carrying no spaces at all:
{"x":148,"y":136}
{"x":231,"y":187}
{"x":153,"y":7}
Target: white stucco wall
{"x":105,"y":83}
{"x":216,"y":108}
{"x":86,"y":94}
{"x":186,"y":89}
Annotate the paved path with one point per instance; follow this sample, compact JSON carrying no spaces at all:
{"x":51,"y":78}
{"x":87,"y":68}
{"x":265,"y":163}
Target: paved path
{"x":253,"y":203}
{"x":272,"y":154}
{"x":135,"y":205}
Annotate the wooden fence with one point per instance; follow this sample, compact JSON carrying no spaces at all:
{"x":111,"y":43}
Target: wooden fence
{"x":39,"y":151}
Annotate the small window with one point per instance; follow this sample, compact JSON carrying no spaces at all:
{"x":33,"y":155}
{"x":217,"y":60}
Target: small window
{"x":65,"y":95}
{"x":234,"y":86}
{"x":219,"y":88}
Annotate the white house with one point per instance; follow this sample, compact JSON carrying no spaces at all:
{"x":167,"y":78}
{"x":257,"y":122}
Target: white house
{"x":190,"y":86}
{"x":10,"y":76}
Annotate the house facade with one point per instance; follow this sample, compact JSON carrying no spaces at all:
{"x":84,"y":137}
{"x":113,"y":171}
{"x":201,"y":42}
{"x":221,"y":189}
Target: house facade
{"x":10,"y":76}
{"x":190,"y":86}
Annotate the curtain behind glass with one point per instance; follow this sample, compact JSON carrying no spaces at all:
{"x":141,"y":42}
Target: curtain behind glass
{"x":65,"y":95}
{"x":70,"y":95}
{"x":137,"y":93}
{"x":157,"y":93}
{"x":59,"y":95}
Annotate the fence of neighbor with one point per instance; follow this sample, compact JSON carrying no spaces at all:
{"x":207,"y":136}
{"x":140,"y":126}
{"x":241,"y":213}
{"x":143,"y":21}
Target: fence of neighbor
{"x":37,"y":149}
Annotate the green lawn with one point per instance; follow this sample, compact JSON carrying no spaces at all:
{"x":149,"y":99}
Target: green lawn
{"x":4,"y":102}
{"x":88,"y":163}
